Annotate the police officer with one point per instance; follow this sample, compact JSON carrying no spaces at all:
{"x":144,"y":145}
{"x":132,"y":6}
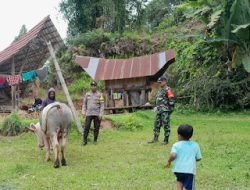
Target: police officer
{"x":164,"y":107}
{"x":92,"y":109}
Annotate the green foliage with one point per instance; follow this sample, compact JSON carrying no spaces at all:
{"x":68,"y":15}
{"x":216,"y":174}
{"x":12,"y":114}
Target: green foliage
{"x":157,"y":11}
{"x":110,"y":15}
{"x":22,"y":32}
{"x":81,"y":14}
{"x":246,"y":61}
{"x":203,"y":81}
{"x":12,"y":126}
{"x":221,"y":17}
{"x":127,"y":123}
{"x":82,"y":84}
{"x":98,"y":43}
{"x":241,"y":27}
{"x":215,"y":18}
{"x":131,"y":122}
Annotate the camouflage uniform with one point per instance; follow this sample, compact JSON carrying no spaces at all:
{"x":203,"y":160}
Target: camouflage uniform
{"x":165,"y":107}
{"x":93,"y":107}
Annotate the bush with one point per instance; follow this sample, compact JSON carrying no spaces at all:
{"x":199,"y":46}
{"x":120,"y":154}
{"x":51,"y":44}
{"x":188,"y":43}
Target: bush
{"x":83,"y":84}
{"x":129,"y":123}
{"x":12,"y":126}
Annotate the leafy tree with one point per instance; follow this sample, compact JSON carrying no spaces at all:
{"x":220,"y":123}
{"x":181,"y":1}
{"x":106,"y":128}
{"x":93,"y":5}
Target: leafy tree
{"x":231,"y":29}
{"x":110,"y":15}
{"x":136,"y":12}
{"x":80,"y":14}
{"x":22,"y":32}
{"x":158,"y":10}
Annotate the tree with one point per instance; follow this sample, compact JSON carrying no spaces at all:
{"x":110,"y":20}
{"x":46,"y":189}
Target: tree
{"x":226,"y":25}
{"x":79,"y":14}
{"x":157,"y":10}
{"x":22,"y":32}
{"x":136,"y":10}
{"x":110,"y":15}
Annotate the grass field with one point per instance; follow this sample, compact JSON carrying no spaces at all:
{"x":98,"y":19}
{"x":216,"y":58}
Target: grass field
{"x":123,"y":159}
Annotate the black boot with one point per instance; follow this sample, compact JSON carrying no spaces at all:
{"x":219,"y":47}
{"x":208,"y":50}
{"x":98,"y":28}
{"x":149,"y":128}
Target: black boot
{"x":155,"y":139}
{"x":84,"y":143}
{"x":95,"y":137}
{"x":95,"y":140}
{"x":165,"y":141}
{"x":85,"y":140}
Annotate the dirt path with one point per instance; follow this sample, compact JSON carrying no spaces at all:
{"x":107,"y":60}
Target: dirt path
{"x":106,"y":124}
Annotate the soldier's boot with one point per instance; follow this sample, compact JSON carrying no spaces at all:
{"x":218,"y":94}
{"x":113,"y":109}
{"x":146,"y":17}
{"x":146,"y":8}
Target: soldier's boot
{"x":155,"y":139}
{"x":165,"y":141}
{"x":95,"y":141}
{"x":85,"y":141}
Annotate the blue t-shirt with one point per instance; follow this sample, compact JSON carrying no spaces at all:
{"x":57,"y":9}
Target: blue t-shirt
{"x":187,"y":152}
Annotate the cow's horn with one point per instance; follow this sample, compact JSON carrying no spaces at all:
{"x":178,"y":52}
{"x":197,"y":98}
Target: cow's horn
{"x":32,"y":127}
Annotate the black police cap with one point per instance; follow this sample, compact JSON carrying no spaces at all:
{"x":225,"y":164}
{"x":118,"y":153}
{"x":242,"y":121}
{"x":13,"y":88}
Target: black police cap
{"x":93,"y":83}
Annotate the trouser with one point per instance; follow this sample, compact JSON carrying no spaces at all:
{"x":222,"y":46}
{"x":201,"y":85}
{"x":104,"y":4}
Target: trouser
{"x":88,"y":121}
{"x":162,"y":119}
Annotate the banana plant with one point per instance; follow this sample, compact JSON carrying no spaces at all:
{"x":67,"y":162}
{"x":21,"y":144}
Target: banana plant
{"x":242,"y":52}
{"x":229,"y":19}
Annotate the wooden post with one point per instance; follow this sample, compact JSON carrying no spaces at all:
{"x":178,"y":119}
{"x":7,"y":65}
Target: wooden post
{"x":127,"y":98}
{"x":143,"y":97}
{"x":124,"y":102}
{"x":13,"y":88}
{"x":65,"y":89}
{"x":106,"y":99}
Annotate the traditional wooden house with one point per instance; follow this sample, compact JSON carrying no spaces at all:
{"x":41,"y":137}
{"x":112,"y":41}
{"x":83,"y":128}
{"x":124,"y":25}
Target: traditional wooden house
{"x":128,"y":82}
{"x":28,"y":53}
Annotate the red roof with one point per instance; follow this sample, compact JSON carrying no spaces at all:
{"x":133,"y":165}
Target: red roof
{"x":30,"y":49}
{"x":112,"y":69}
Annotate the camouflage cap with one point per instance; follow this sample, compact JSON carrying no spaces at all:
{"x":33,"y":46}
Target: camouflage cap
{"x":161,"y":79}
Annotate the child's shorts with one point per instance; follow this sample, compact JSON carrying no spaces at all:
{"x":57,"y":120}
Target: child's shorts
{"x":186,"y":179}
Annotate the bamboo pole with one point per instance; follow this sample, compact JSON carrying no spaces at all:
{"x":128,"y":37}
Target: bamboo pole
{"x":13,"y":88}
{"x":65,"y":89}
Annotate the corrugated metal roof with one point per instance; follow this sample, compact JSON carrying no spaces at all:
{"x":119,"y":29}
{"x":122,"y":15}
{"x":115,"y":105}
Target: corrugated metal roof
{"x":31,"y":49}
{"x":111,"y":69}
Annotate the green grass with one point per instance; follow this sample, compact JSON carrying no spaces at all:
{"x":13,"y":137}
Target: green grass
{"x":123,"y":159}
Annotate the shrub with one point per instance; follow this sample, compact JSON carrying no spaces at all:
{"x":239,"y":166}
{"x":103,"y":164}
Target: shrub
{"x":12,"y":126}
{"x":83,"y":84}
{"x":129,"y":123}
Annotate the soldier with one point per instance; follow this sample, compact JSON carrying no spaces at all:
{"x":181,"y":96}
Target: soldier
{"x":164,"y":107}
{"x":92,"y":109}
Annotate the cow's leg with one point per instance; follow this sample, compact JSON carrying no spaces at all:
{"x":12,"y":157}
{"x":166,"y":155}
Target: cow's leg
{"x":47,"y":144}
{"x":56,"y":150}
{"x":63,"y":147}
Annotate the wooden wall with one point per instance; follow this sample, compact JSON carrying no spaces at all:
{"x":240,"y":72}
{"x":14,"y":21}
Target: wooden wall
{"x":134,"y":92}
{"x":126,"y":84}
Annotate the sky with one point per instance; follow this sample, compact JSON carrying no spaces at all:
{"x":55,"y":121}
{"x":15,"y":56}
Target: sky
{"x":15,"y":13}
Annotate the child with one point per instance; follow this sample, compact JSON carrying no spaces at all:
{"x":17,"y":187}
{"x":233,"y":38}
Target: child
{"x":185,"y":153}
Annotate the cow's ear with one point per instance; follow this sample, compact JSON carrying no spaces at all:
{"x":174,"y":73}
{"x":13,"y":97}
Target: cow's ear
{"x":32,"y":128}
